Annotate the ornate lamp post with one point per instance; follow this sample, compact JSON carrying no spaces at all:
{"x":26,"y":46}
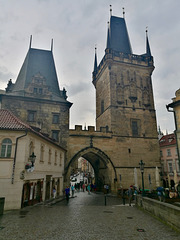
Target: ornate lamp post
{"x":32,"y":158}
{"x":141,"y":165}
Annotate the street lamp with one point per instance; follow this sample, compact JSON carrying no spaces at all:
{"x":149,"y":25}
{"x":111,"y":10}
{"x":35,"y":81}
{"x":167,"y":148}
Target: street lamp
{"x":32,"y":158}
{"x":141,"y":165}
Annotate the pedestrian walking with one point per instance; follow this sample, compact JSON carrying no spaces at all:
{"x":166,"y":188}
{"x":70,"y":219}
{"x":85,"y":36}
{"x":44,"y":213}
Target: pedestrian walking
{"x":130,"y":194}
{"x":54,"y":192}
{"x":67,"y":191}
{"x":83,"y":187}
{"x":72,"y":189}
{"x":89,"y":188}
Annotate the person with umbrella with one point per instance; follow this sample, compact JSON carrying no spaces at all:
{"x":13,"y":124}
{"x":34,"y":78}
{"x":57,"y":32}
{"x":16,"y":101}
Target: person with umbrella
{"x":160,"y":193}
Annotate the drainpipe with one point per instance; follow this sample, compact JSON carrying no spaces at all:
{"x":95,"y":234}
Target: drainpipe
{"x":167,"y":106}
{"x":14,"y":162}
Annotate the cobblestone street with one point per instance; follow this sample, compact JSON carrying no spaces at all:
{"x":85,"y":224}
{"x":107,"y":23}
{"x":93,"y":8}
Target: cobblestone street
{"x":85,"y":217}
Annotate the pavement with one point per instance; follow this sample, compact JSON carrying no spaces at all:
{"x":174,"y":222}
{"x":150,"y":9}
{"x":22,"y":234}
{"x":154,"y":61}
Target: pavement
{"x":84,"y":217}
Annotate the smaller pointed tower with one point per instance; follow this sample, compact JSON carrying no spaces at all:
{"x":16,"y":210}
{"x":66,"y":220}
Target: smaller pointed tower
{"x":95,"y":61}
{"x":148,"y":50}
{"x":108,"y":45}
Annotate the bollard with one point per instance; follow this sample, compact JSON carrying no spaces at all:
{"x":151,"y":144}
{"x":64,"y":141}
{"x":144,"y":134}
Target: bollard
{"x":124,"y":201}
{"x":105,"y":200}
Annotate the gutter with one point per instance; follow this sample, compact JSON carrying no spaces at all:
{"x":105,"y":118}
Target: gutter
{"x":14,"y":162}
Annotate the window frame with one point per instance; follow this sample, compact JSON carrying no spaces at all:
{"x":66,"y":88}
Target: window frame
{"x":6,"y":147}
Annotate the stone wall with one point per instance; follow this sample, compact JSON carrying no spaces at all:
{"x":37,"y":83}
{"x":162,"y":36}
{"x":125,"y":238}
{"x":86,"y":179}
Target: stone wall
{"x":167,"y":213}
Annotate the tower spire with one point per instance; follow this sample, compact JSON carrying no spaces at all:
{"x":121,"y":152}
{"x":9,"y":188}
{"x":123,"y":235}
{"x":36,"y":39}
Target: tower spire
{"x":52,"y":45}
{"x":95,"y":60}
{"x":148,"y":50}
{"x":30,"y":41}
{"x":108,"y":45}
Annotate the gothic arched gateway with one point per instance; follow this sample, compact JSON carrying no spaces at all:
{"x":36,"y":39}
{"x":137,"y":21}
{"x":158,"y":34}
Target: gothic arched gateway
{"x":101,"y":163}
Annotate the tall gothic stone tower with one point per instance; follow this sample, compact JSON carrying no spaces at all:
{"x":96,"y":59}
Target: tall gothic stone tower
{"x":125,"y":107}
{"x":124,"y":95}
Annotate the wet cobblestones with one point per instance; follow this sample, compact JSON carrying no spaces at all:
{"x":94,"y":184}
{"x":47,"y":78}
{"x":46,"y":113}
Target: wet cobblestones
{"x":85,"y":217}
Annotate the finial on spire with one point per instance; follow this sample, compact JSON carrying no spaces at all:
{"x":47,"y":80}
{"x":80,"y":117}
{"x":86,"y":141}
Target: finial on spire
{"x":123,"y":12}
{"x":95,"y":59}
{"x":30,"y":41}
{"x":110,"y":10}
{"x":51,"y":44}
{"x":148,"y":50}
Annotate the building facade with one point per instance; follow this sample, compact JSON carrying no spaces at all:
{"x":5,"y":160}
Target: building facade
{"x":169,"y":161}
{"x":31,"y":164}
{"x":36,"y":98}
{"x":174,"y":108}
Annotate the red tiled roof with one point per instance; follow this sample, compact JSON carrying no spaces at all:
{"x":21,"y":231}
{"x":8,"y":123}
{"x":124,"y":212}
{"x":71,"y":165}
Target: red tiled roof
{"x":167,"y":140}
{"x":8,"y":121}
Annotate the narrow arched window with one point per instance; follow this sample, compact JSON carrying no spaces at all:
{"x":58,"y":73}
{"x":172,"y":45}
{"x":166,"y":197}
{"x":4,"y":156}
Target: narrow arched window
{"x":6,"y":147}
{"x":102,"y":106}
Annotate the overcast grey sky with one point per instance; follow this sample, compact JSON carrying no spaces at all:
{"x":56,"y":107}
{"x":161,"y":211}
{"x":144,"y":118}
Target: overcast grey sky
{"x":76,"y":26}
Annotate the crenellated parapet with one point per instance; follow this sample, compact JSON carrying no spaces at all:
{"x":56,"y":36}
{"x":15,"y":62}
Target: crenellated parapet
{"x":90,"y":131}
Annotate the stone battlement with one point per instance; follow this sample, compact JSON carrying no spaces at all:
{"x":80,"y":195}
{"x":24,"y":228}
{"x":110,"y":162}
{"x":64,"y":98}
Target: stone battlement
{"x":89,"y":130}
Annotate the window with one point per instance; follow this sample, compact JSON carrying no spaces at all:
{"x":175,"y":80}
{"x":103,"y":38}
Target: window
{"x":55,"y":119}
{"x":6,"y":148}
{"x":102,"y":106}
{"x":35,"y":90}
{"x":55,"y":162}
{"x":60,"y":159}
{"x":31,"y":148}
{"x":170,"y":167}
{"x":31,"y":116}
{"x":55,"y":135}
{"x":49,"y":159}
{"x":42,"y":154}
{"x":134,"y":126}
{"x":40,"y":91}
{"x":168,"y":152}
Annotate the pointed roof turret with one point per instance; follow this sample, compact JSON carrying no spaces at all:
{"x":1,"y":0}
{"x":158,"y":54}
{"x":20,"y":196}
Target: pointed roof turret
{"x":38,"y":71}
{"x":148,"y":50}
{"x":108,"y":46}
{"x":95,"y":61}
{"x":118,"y":38}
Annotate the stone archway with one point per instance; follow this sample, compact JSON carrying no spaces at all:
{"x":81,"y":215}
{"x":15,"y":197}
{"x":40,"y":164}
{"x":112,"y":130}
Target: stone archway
{"x":105,"y":172}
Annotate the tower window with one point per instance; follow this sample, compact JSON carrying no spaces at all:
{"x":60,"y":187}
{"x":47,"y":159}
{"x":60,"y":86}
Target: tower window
{"x":31,"y":116}
{"x":35,"y":90}
{"x":135,"y":126}
{"x":55,"y":135}
{"x":55,"y":118}
{"x":102,"y":106}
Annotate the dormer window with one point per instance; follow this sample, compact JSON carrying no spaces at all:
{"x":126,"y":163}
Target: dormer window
{"x":40,"y":91}
{"x":35,"y":90}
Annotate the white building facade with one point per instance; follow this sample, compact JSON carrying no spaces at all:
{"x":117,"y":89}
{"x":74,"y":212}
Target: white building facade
{"x":31,"y":164}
